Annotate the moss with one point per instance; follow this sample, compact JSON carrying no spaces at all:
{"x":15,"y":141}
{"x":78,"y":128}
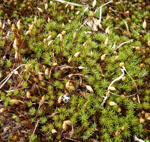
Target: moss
{"x":66,"y":51}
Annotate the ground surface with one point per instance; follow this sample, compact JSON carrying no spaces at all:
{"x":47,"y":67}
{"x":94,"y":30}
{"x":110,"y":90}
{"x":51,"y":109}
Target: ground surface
{"x":74,"y":71}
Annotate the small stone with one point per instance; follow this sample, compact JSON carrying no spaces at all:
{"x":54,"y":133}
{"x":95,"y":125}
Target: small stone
{"x":65,"y":98}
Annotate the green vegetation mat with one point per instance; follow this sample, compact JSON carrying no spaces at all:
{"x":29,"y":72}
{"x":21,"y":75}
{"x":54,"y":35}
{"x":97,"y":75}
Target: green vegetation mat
{"x":74,"y":71}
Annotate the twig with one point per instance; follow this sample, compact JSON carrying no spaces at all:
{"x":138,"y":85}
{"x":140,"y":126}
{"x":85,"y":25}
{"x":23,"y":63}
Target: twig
{"x":102,"y":71}
{"x":8,"y":77}
{"x":131,"y":95}
{"x":76,"y":74}
{"x":100,"y":8}
{"x":124,"y":43}
{"x":35,"y":126}
{"x":135,"y":85}
{"x":103,"y":5}
{"x":137,"y":139}
{"x":104,"y":100}
{"x":7,"y":91}
{"x":100,"y":14}
{"x":71,"y":3}
{"x":117,"y":79}
{"x":86,"y":9}
{"x":70,"y":139}
{"x":5,"y":79}
{"x":126,"y":24}
{"x":52,"y":115}
{"x":12,"y":90}
{"x":107,"y":3}
{"x":62,"y":67}
{"x":83,"y":24}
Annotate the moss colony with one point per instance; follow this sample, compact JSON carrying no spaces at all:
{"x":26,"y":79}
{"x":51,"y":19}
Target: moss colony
{"x":74,"y":71}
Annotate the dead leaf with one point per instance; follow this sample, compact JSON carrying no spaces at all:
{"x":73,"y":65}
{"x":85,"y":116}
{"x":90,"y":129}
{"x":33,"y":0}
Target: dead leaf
{"x":77,"y":54}
{"x":28,"y":95}
{"x":46,"y":6}
{"x":40,"y":9}
{"x":94,"y":3}
{"x":71,"y":132}
{"x":103,"y":57}
{"x":50,"y":42}
{"x":106,"y":41}
{"x":76,"y":74}
{"x":90,"y":24}
{"x":147,"y":116}
{"x":70,"y":86}
{"x":144,"y":24}
{"x":111,"y":103}
{"x":19,"y":25}
{"x":66,"y":124}
{"x":54,"y":131}
{"x":52,"y":115}
{"x":112,"y":88}
{"x":42,"y":101}
{"x":95,"y":27}
{"x":59,"y":99}
{"x":107,"y":30}
{"x":89,"y":88}
{"x":96,"y":21}
{"x":14,"y":101}
{"x":85,"y":105}
{"x":2,"y":110}
{"x":6,"y":128}
{"x":62,"y":67}
{"x":49,"y":37}
{"x":47,"y":71}
{"x":80,"y":67}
